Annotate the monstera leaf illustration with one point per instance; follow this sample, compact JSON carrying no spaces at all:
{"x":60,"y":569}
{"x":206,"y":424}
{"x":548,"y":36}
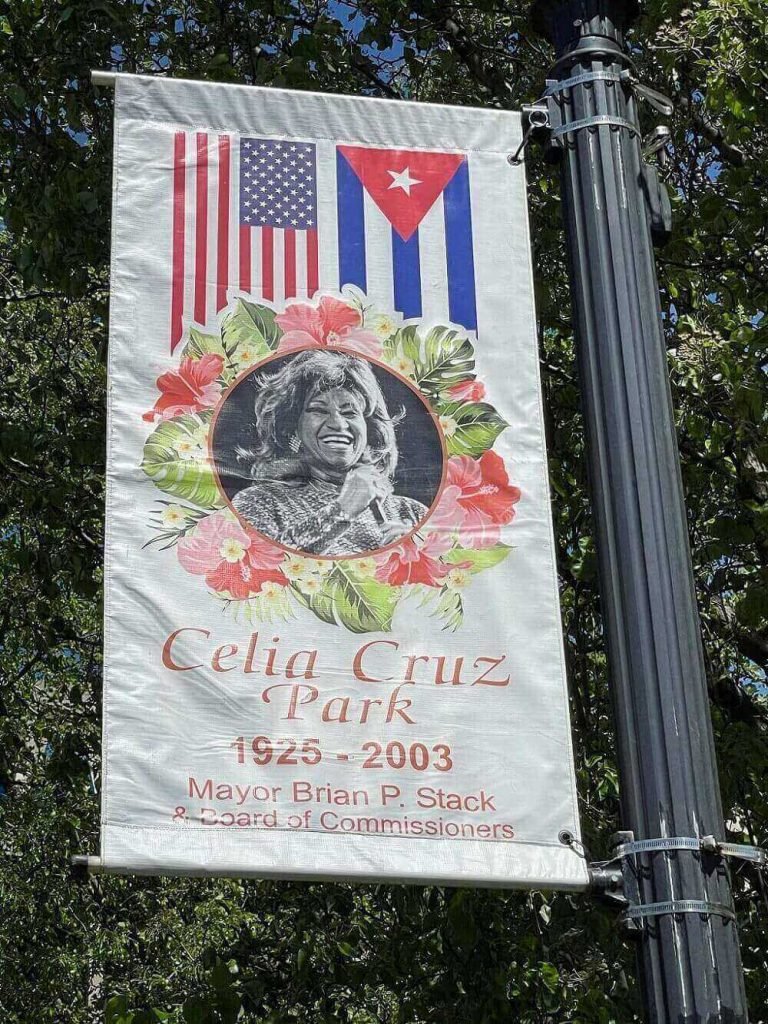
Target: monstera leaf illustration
{"x":447,"y":358}
{"x":474,"y":426}
{"x":442,"y":358}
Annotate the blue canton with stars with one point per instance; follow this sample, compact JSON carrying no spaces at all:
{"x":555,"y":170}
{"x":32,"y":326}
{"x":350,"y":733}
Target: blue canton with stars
{"x":278,"y":184}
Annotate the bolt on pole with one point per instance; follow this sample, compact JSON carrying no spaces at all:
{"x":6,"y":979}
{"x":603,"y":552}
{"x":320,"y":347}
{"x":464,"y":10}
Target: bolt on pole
{"x":689,"y":963}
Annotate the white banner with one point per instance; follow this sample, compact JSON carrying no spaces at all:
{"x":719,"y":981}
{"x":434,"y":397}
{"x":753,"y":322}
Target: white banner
{"x":333,"y":642}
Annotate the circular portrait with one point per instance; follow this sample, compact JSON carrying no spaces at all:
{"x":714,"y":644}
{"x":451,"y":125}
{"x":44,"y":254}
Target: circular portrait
{"x":327,"y":453}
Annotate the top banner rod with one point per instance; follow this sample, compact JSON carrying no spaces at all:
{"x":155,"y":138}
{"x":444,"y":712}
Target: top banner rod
{"x":105,"y":78}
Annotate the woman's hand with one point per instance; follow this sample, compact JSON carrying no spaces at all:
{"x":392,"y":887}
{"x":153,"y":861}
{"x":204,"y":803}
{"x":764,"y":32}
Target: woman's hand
{"x":362,"y":485}
{"x":390,"y":532}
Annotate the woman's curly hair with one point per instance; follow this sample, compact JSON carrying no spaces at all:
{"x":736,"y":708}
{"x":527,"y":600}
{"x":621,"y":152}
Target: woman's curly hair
{"x":282,"y":395}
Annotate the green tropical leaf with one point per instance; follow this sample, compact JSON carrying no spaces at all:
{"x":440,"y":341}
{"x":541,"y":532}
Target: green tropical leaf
{"x":442,"y":603}
{"x":191,"y":479}
{"x":362,"y":605}
{"x":251,"y":323}
{"x":449,"y":609}
{"x":321,"y":603}
{"x":477,"y":427}
{"x":200,"y":344}
{"x":266,"y":609}
{"x":480,"y":559}
{"x":405,"y":342}
{"x":447,"y":358}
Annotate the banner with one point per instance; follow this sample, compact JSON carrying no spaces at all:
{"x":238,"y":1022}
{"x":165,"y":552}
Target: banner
{"x":333,"y":641}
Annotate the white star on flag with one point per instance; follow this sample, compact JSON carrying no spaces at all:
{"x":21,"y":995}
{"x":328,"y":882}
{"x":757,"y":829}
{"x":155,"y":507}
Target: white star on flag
{"x":402,"y":179}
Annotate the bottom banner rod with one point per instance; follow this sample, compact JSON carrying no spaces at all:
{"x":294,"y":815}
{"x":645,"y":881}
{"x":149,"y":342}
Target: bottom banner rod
{"x":84,"y":866}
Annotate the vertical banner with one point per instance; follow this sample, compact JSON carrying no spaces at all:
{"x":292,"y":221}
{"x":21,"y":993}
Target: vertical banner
{"x":333,"y":641}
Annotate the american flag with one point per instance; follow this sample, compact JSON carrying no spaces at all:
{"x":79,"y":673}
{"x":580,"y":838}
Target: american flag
{"x":280,"y":218}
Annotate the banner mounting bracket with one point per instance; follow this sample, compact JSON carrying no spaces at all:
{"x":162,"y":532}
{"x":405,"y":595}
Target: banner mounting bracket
{"x":615,"y":882}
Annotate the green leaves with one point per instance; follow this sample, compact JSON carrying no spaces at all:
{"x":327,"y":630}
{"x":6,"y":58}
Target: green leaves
{"x":462,"y":922}
{"x":480,"y":558}
{"x":221,"y":1003}
{"x":442,"y":603}
{"x":187,"y":476}
{"x":752,"y":607}
{"x":251,"y":324}
{"x":442,"y":358}
{"x":360,"y":604}
{"x":199,"y":344}
{"x":470,"y":429}
{"x":117,"y":1012}
{"x":448,"y":357}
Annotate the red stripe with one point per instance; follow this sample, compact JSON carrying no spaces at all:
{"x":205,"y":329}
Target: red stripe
{"x":312,"y":274}
{"x":289,"y":250}
{"x":222,"y":243}
{"x":201,"y":226}
{"x":268,"y":263}
{"x":245,"y":258}
{"x":177,"y":280}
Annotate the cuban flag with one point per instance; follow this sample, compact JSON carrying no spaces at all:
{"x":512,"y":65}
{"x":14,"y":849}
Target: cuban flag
{"x":387,"y":199}
{"x":282,"y":218}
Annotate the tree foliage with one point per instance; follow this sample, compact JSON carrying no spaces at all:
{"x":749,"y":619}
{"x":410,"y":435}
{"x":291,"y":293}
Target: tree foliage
{"x":219,"y":951}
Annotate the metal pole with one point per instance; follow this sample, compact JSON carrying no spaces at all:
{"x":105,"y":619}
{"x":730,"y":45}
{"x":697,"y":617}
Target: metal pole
{"x":689,"y":963}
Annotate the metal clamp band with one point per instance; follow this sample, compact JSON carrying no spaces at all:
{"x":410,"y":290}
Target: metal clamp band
{"x":679,"y":907}
{"x":741,"y":851}
{"x":595,"y":122}
{"x":708,"y":844}
{"x":587,"y":76}
{"x":582,"y":54}
{"x":658,"y":845}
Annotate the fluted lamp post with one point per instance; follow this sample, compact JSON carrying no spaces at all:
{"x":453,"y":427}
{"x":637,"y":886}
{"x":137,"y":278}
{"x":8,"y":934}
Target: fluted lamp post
{"x":688,"y":950}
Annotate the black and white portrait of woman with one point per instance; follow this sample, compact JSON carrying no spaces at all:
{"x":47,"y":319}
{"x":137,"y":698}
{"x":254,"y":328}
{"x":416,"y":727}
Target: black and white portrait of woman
{"x":315,"y":456}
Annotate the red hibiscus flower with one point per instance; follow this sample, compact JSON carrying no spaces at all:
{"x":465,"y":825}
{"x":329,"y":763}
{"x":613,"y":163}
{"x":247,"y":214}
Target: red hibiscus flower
{"x":192,"y":389}
{"x":467,"y":391}
{"x":232,"y":559}
{"x":414,"y":562}
{"x":331,"y":322}
{"x":476,"y":500}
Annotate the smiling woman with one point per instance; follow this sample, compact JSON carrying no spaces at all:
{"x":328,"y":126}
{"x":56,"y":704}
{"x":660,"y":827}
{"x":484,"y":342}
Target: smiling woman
{"x":322,"y":459}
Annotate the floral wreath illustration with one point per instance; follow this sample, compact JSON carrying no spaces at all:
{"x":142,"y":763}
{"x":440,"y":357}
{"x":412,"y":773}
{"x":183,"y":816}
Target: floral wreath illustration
{"x":258,"y":578}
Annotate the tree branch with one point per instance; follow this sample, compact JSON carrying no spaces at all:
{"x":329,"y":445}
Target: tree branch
{"x":730,"y":153}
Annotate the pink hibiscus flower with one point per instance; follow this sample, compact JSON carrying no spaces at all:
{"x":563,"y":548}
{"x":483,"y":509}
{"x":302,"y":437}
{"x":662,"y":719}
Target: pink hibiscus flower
{"x":415,"y":562}
{"x":232,"y":559}
{"x":476,"y":500}
{"x":331,"y":322}
{"x":467,"y":391}
{"x":192,"y":389}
